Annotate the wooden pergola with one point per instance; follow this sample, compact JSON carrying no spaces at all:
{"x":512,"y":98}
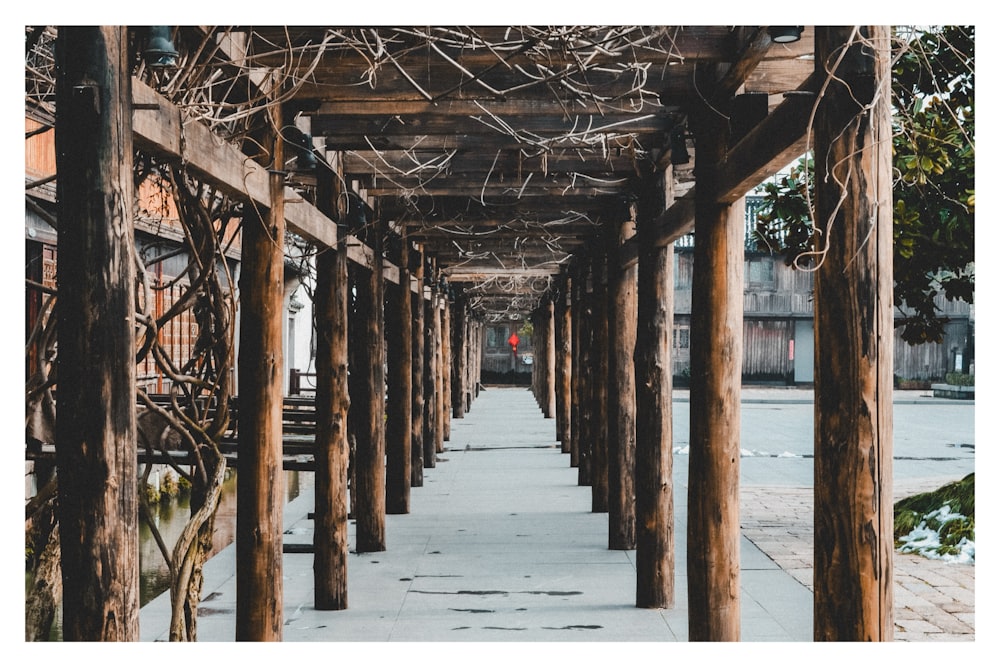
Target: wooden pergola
{"x":467,"y":174}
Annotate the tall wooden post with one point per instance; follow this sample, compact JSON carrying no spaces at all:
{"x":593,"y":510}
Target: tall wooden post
{"x":259,"y":486}
{"x":446,"y":365}
{"x":430,"y":379}
{"x":95,"y":422}
{"x":369,"y":454}
{"x":417,"y":409}
{"x":437,"y":307}
{"x":621,"y":392}
{"x":713,"y":542}
{"x":550,"y":359}
{"x":399,"y":351}
{"x":599,"y":386}
{"x":853,"y":547}
{"x":584,"y":422}
{"x":332,"y":405}
{"x":654,"y":497}
{"x":564,"y":361}
{"x":460,"y":356}
{"x":578,"y":319}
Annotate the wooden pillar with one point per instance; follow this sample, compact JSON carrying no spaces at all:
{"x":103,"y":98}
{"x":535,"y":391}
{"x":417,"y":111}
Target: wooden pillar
{"x":578,"y":382}
{"x":446,"y":366}
{"x":599,"y":386}
{"x":369,"y":454}
{"x":550,"y":359}
{"x":585,"y":419}
{"x":853,"y":547}
{"x":417,"y":411}
{"x":564,"y":369}
{"x":460,"y":359}
{"x":260,"y":483}
{"x":430,"y":377}
{"x":713,"y":541}
{"x":95,"y":422}
{"x":621,"y":391}
{"x":654,"y":497}
{"x":399,"y":350}
{"x":437,"y":307}
{"x":332,"y":403}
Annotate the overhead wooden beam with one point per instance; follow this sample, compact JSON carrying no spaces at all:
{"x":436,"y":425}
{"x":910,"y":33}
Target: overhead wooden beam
{"x":773,"y":144}
{"x":159,"y":128}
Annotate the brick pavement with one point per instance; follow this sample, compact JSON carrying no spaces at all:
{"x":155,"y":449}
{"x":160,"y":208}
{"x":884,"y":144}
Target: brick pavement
{"x":934,"y":600}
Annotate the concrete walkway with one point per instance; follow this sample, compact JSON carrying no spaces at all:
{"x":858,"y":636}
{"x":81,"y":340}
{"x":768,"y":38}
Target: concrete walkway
{"x":501,"y":546}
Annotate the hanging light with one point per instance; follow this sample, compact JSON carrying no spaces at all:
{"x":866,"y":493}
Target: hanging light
{"x":160,"y":52}
{"x":785,"y":34}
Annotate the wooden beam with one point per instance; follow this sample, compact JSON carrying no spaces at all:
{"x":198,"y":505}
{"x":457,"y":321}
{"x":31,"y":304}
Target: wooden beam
{"x":772,"y":145}
{"x":96,"y":424}
{"x":158,"y":128}
{"x":854,"y":332}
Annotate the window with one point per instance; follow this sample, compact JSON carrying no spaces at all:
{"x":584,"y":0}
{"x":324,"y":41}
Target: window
{"x":682,"y":338}
{"x":760,"y":272}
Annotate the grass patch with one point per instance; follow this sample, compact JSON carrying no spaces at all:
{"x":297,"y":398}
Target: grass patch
{"x":939,"y":524}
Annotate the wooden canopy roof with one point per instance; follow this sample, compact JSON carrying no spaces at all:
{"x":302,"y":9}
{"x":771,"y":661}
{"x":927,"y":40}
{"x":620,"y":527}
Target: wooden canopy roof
{"x":505,"y":150}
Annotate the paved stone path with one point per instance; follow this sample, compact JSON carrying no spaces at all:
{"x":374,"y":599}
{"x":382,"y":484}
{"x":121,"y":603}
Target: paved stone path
{"x":934,"y":600}
{"x":500,"y":545}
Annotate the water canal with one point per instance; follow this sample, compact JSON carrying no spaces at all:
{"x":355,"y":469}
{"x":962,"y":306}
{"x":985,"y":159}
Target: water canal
{"x":171,"y":516}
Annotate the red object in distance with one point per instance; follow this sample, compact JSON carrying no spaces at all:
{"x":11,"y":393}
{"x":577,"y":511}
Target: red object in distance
{"x":514,"y":340}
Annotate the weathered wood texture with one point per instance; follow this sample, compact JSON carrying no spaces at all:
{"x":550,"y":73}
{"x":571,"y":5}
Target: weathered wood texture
{"x":564,"y":366}
{"x":446,"y":366}
{"x":598,"y":406}
{"x":621,"y":394}
{"x":332,"y":405}
{"x":417,"y":409}
{"x":654,"y":500}
{"x":437,"y":308}
{"x":260,"y":492}
{"x":583,"y":424}
{"x":369,"y":452}
{"x":431,"y":396}
{"x":713,"y":562}
{"x":95,"y":422}
{"x":578,"y":323}
{"x":550,"y":360}
{"x":459,"y":359}
{"x":854,"y":332}
{"x":399,"y":365}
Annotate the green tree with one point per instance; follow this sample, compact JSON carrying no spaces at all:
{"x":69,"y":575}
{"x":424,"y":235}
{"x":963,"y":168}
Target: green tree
{"x":934,"y":180}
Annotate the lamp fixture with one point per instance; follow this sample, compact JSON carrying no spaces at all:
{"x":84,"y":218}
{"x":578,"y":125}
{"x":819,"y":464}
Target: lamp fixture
{"x":785,"y":34}
{"x":160,"y":51}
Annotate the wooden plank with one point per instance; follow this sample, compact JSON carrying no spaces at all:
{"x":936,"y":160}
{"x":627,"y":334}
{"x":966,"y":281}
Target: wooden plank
{"x":96,"y":424}
{"x":854,"y":334}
